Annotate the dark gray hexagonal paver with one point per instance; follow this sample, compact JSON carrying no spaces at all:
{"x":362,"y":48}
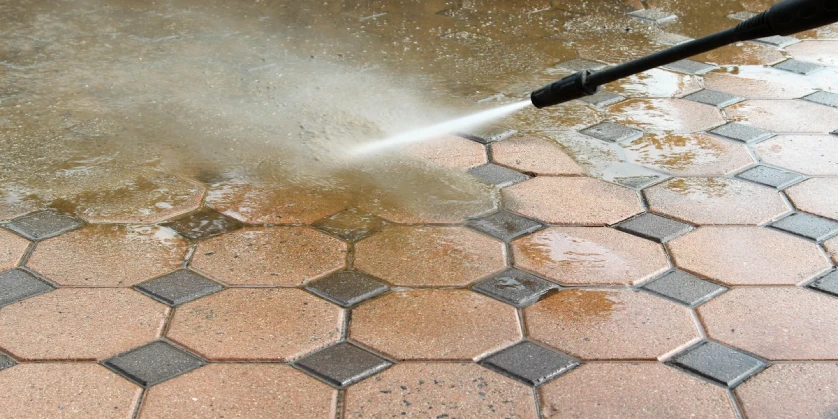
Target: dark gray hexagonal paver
{"x":505,"y":225}
{"x":827,"y":283}
{"x":807,"y":225}
{"x":530,"y":363}
{"x":690,"y":67}
{"x":685,"y":288}
{"x":347,"y":288}
{"x":654,"y":227}
{"x":771,"y":176}
{"x":515,"y":287}
{"x":203,"y":223}
{"x":497,"y":175}
{"x":18,"y":284}
{"x":179,"y":287}
{"x":342,"y":364}
{"x":719,"y":363}
{"x":154,"y":363}
{"x":615,"y":133}
{"x":799,"y":67}
{"x":714,"y":98}
{"x":742,"y":132}
{"x":43,"y":224}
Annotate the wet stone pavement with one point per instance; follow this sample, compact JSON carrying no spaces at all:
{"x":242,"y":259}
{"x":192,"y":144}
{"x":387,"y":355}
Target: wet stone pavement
{"x":665,"y":248}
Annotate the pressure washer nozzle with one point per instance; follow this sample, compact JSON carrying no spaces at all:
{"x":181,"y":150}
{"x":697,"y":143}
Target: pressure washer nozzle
{"x":571,"y":87}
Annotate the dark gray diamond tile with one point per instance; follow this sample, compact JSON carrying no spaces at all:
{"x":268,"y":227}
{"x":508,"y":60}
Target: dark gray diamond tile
{"x":154,"y":363}
{"x":639,"y":182}
{"x":351,"y":225}
{"x":178,"y":287}
{"x":743,"y":15}
{"x":719,"y":363}
{"x":823,"y":98}
{"x":684,"y":287}
{"x":714,"y":98}
{"x":515,"y":287}
{"x":43,"y":224}
{"x":770,"y":176}
{"x":799,"y":67}
{"x":203,"y":223}
{"x":342,"y":364}
{"x":778,"y":41}
{"x":530,"y":363}
{"x":505,"y":225}
{"x":602,"y":98}
{"x":490,"y":134}
{"x":17,"y":284}
{"x":668,"y":38}
{"x":579,"y":64}
{"x":615,"y":133}
{"x":653,"y":15}
{"x":690,"y":67}
{"x":6,"y":361}
{"x":834,"y":132}
{"x":808,"y":226}
{"x":741,"y":132}
{"x":347,"y":288}
{"x":497,"y":175}
{"x":654,"y":227}
{"x":827,"y":283}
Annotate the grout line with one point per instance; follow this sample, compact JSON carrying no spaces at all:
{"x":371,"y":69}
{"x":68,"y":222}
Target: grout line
{"x":140,"y":402}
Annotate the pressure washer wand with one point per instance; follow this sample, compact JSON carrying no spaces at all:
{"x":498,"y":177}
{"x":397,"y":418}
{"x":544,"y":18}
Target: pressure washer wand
{"x":784,"y":18}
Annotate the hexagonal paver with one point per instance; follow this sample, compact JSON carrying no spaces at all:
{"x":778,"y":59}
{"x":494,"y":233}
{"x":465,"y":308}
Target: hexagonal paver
{"x":80,"y":324}
{"x":748,"y":256}
{"x":757,"y":82}
{"x":108,"y":255}
{"x":49,"y":390}
{"x":572,"y":200}
{"x":449,"y":151}
{"x":12,"y":249}
{"x":435,"y":324}
{"x":619,"y":324}
{"x":256,"y":324}
{"x":535,"y":155}
{"x":276,"y":203}
{"x":776,"y":323}
{"x":817,"y":196}
{"x":439,"y":390}
{"x":656,"y":83}
{"x":241,"y":390}
{"x":822,"y":52}
{"x":430,"y":256}
{"x":742,"y":53}
{"x":283,"y":256}
{"x":589,"y":256}
{"x":716,"y":201}
{"x":785,"y":115}
{"x":666,"y":115}
{"x":815,"y":155}
{"x":688,"y":155}
{"x":565,"y":116}
{"x":808,"y":388}
{"x":147,"y":198}
{"x":635,"y":390}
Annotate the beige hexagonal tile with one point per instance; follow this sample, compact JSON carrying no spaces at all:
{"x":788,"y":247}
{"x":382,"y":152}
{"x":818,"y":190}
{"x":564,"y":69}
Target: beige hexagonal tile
{"x":449,"y":151}
{"x":533,"y":154}
{"x":821,"y":52}
{"x":785,"y":115}
{"x":716,"y":200}
{"x":655,"y":83}
{"x":618,"y":324}
{"x":435,"y":325}
{"x":632,"y":390}
{"x":742,"y":54}
{"x":748,"y":256}
{"x":817,"y":196}
{"x":666,"y":115}
{"x":776,"y":323}
{"x":429,"y":256}
{"x":12,"y":249}
{"x":282,"y":203}
{"x":815,"y":155}
{"x":792,"y":387}
{"x":566,"y":116}
{"x":688,"y":154}
{"x":572,"y":200}
{"x":80,"y":324}
{"x":758,"y":82}
{"x":283,"y":256}
{"x":109,"y":255}
{"x":256,"y":324}
{"x":589,"y":256}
